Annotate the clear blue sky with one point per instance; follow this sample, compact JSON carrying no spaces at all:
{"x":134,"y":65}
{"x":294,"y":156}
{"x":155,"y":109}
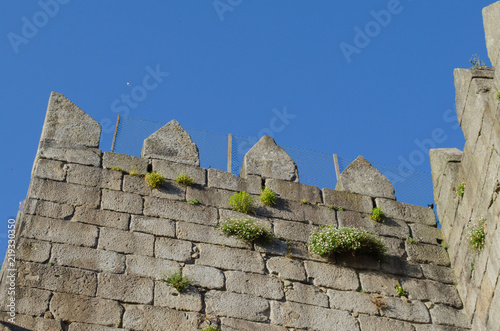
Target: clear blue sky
{"x":232,"y":62}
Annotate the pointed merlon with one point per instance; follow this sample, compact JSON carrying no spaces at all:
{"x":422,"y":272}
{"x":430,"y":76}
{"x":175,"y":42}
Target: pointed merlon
{"x":268,"y":160}
{"x":171,"y":142}
{"x":361,"y":177}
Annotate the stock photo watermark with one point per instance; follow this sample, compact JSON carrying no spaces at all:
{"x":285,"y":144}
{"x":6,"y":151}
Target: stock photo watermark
{"x":11,"y":271}
{"x":31,"y":26}
{"x":223,"y":6}
{"x":137,"y":94}
{"x":364,"y":36}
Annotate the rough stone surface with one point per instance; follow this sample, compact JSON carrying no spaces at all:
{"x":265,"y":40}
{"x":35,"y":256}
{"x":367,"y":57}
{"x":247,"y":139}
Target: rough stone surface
{"x":25,"y":322}
{"x":407,"y":212}
{"x":256,"y":285}
{"x":122,"y":202}
{"x":87,"y":156}
{"x":170,"y":170}
{"x":50,"y":169}
{"x":424,"y":253}
{"x":308,"y":294}
{"x":167,"y":296}
{"x":268,"y":160}
{"x":125,"y":288}
{"x":156,"y":226}
{"x":294,"y":191}
{"x":347,"y":200}
{"x":442,"y":274}
{"x":66,"y":193}
{"x":292,"y":230}
{"x":126,"y":162}
{"x":101,"y":218}
{"x":85,"y":175}
{"x":173,"y":249}
{"x":172,"y":143}
{"x":491,"y":17}
{"x":442,"y":314}
{"x":207,"y":234}
{"x":361,"y":177}
{"x":30,"y":301}
{"x":126,"y":242}
{"x":209,"y":196}
{"x":159,"y":319}
{"x":426,"y":234}
{"x":203,"y":276}
{"x":90,"y":327}
{"x":145,"y":266}
{"x":371,"y":323}
{"x":52,"y":209}
{"x":391,"y":227}
{"x":374,"y":282}
{"x":33,"y":250}
{"x":87,"y":258}
{"x":236,"y":305}
{"x":332,"y":276}
{"x":231,"y":324}
{"x":286,"y":268}
{"x":230,"y":258}
{"x":439,"y":158}
{"x":225,"y":180}
{"x":180,"y":211}
{"x":414,"y":311}
{"x":352,"y":301}
{"x":429,"y":290}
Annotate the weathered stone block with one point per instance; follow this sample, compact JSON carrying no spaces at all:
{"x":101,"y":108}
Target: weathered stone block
{"x":25,"y":322}
{"x":111,"y":179}
{"x":87,"y":156}
{"x":434,"y":327}
{"x":60,"y":231}
{"x":126,"y":242}
{"x":432,"y":291}
{"x":159,"y":319}
{"x":180,"y":211}
{"x":171,"y":170}
{"x":423,"y":253}
{"x":228,"y":181}
{"x":101,"y":218}
{"x":173,"y":249}
{"x":171,"y":142}
{"x":284,"y":209}
{"x":207,"y":234}
{"x":292,"y":230}
{"x":236,"y":305}
{"x":463,"y":79}
{"x":441,"y":274}
{"x":347,"y":200}
{"x":332,"y":276}
{"x":372,"y":323}
{"x":33,"y":250}
{"x":256,"y":285}
{"x":77,"y":308}
{"x":84,"y":175}
{"x":30,"y":301}
{"x":87,"y":258}
{"x":268,"y":160}
{"x":308,"y":294}
{"x":169,"y":189}
{"x":230,"y":258}
{"x":273,"y":247}
{"x":122,"y":202}
{"x":157,"y":226}
{"x":231,"y":324}
{"x":442,"y":314}
{"x":56,"y":278}
{"x":305,"y":316}
{"x":399,"y":266}
{"x":167,"y":296}
{"x":126,"y":162}
{"x":294,"y":191}
{"x":375,"y":282}
{"x":136,"y":184}
{"x":407,"y":212}
{"x":395,"y":247}
{"x":439,"y":158}
{"x":202,"y":276}
{"x":352,"y":301}
{"x":426,"y":234}
{"x":414,"y":311}
{"x":209,"y":196}
{"x":51,"y":209}
{"x":358,"y":262}
{"x":319,"y":215}
{"x":390,"y":227}
{"x":125,"y":288}
{"x":286,"y":268}
{"x":145,"y":266}
{"x":90,"y":327}
{"x":50,"y":169}
{"x":64,"y":193}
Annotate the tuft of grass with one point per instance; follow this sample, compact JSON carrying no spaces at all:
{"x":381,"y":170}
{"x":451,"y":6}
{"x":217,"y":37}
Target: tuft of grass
{"x":410,"y":240}
{"x":194,"y":201}
{"x":379,"y":302}
{"x":328,"y":240}
{"x":476,"y":63}
{"x":116,"y":168}
{"x":330,"y":207}
{"x":444,"y":244}
{"x":134,"y":172}
{"x":461,"y":189}
{"x":184,"y":179}
{"x":177,"y":281}
{"x":400,"y":290}
{"x":246,"y":229}
{"x":241,"y":202}
{"x":377,"y":214}
{"x":303,"y":201}
{"x":498,"y":95}
{"x":476,"y":234}
{"x":210,"y":328}
{"x":268,"y":196}
{"x":340,"y":208}
{"x":154,"y":179}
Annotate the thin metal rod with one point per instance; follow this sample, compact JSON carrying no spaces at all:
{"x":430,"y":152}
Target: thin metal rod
{"x":337,"y":170}
{"x":229,"y":152}
{"x":116,"y":131}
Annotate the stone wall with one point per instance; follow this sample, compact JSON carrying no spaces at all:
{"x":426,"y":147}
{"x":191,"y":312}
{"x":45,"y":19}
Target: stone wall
{"x":94,"y":243}
{"x":478,"y":166}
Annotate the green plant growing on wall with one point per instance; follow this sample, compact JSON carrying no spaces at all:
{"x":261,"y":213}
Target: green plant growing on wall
{"x":120,"y":169}
{"x":303,"y":201}
{"x":328,"y":240}
{"x":498,"y":95}
{"x":135,"y":172}
{"x":210,"y":328}
{"x":400,"y":290}
{"x":410,"y":240}
{"x":184,"y":179}
{"x":340,"y":208}
{"x":476,"y":63}
{"x":268,"y":196}
{"x":476,"y":234}
{"x":461,"y":189}
{"x":377,"y":214}
{"x":241,"y":202}
{"x":154,"y":179}
{"x":379,"y":302}
{"x":246,"y":229}
{"x":194,"y":201}
{"x":177,"y":281}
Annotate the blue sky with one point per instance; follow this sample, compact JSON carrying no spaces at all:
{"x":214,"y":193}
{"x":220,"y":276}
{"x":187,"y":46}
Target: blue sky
{"x":385,"y":92}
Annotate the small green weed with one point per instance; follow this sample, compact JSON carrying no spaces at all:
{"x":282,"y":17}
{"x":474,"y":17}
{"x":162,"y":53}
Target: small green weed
{"x":400,"y":290}
{"x":154,"y":179}
{"x":362,"y":291}
{"x":377,"y":214}
{"x":410,"y":240}
{"x":330,"y":207}
{"x":268,"y":196}
{"x":461,"y":189}
{"x":444,"y":244}
{"x":184,"y":179}
{"x":194,"y":201}
{"x":116,"y":168}
{"x":340,"y":208}
{"x":498,"y":95}
{"x":246,"y":229}
{"x":134,"y":172}
{"x":476,"y":235}
{"x":303,"y":201}
{"x":241,"y":202}
{"x":177,"y":281}
{"x":210,"y":328}
{"x":476,"y":63}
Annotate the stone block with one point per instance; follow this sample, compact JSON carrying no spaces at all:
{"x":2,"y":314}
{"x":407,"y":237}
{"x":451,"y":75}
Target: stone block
{"x":347,"y":200}
{"x":208,"y":234}
{"x":374,"y":282}
{"x":308,"y":294}
{"x":429,"y":290}
{"x":87,"y":156}
{"x":399,"y":266}
{"x":362,"y":178}
{"x":52,"y":209}
{"x":159,"y":319}
{"x":171,"y":170}
{"x":411,"y":311}
{"x":169,"y":189}
{"x":126,"y":162}
{"x":395,"y":246}
{"x":145,"y":266}
{"x":441,"y":274}
{"x":332,"y":276}
{"x":423,"y":253}
{"x":256,"y":285}
{"x":227,"y":181}
{"x":476,"y":103}
{"x":167,"y":296}
{"x":125,"y":288}
{"x":284,"y":209}
{"x":77,"y":308}
{"x":358,"y":262}
{"x":126,"y":242}
{"x":236,"y":305}
{"x":30,"y":301}
{"x":25,"y":322}
{"x":354,"y":302}
{"x":87,"y":258}
{"x":435,"y":327}
{"x":463,"y":78}
{"x":426,"y":234}
{"x":56,"y":278}
{"x":292,"y":230}
{"x":231,"y":324}
{"x":268,"y":160}
{"x":372,"y":323}
{"x":226,"y":214}
{"x":407,"y":212}
{"x":439,"y":158}
{"x":209,"y":196}
{"x":83,"y":175}
{"x":111,"y":179}
{"x":442,"y":314}
{"x":104,"y":218}
{"x":171,"y":142}
{"x":230,"y":258}
{"x":294,"y":191}
{"x":391,"y":227}
{"x":65,"y":193}
{"x":90,"y":327}
{"x":49,"y":169}
{"x":173,"y":249}
{"x":202,"y":276}
{"x":319,"y":215}
{"x":273,"y":247}
{"x":33,"y":250}
{"x":58,"y":231}
{"x":296,"y":315}
{"x":180,"y":211}
{"x":157,"y":226}
{"x":122,"y":202}
{"x":286,"y":268}
{"x":136,"y":184}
